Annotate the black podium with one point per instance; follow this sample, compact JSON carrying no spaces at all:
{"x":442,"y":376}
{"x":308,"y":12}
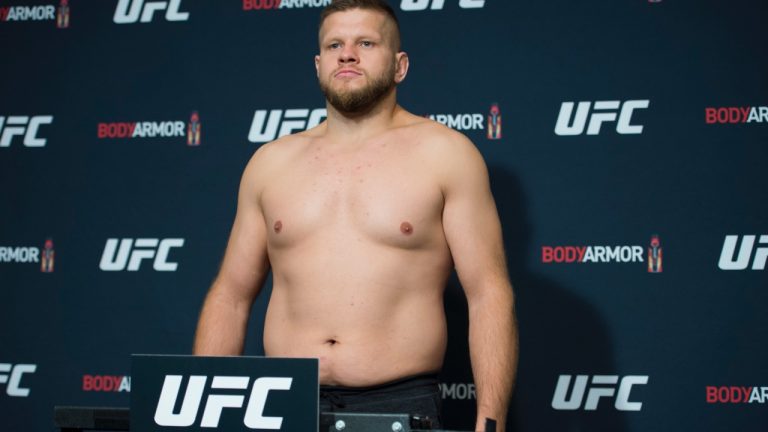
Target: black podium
{"x":192,"y":393}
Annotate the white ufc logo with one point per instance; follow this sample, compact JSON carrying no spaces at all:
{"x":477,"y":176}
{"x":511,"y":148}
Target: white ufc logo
{"x":131,"y":253}
{"x":730,"y":261}
{"x":14,"y":378}
{"x":602,"y":111}
{"x":130,"y":11}
{"x":608,"y":389}
{"x":23,"y":125}
{"x":265,"y":129}
{"x":420,"y":5}
{"x":254,"y":412}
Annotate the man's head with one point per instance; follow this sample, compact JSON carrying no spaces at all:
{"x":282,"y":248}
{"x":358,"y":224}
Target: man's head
{"x":360,"y":61}
{"x":381,"y":6}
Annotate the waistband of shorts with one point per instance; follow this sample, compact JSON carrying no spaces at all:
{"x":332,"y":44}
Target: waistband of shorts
{"x":409,"y":382}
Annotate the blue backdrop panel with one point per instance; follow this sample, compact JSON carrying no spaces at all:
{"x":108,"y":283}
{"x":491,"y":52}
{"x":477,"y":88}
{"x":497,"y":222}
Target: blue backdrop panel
{"x":124,"y":132}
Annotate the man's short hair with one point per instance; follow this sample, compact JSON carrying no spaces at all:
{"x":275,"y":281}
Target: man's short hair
{"x":374,"y":5}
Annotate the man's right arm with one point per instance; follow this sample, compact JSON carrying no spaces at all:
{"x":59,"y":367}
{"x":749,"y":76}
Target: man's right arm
{"x":224,"y":316}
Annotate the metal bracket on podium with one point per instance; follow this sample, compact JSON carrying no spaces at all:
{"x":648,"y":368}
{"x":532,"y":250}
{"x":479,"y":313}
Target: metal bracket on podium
{"x":363,"y":422}
{"x":76,"y":419}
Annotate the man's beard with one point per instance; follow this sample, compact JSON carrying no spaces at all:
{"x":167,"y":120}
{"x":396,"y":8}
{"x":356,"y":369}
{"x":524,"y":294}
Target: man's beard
{"x":361,"y":100}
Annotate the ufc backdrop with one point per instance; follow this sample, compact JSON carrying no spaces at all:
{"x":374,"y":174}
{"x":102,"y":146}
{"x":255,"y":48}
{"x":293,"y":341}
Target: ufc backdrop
{"x":626,"y":143}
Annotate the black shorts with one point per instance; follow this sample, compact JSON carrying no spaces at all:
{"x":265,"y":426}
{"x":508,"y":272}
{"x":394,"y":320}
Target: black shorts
{"x":418,"y":396}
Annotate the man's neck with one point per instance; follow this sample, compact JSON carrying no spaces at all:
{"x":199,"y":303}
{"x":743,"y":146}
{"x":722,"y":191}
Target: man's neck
{"x":345,"y":128}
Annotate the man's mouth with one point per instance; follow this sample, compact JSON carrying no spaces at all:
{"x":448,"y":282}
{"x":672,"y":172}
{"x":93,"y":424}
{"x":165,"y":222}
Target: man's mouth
{"x":345,"y":73}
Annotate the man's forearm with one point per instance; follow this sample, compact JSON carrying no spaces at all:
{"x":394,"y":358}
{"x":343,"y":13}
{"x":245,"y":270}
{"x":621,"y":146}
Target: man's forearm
{"x":493,"y":351}
{"x":222,"y":325}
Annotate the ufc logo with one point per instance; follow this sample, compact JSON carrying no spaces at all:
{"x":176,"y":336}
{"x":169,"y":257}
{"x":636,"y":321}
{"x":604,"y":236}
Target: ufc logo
{"x":602,"y":111}
{"x":419,"y":5}
{"x":730,"y":261}
{"x":131,"y":253}
{"x":215,"y":403}
{"x":265,"y":129}
{"x":130,"y":11}
{"x":14,"y":378}
{"x":607,"y":389}
{"x":23,"y":126}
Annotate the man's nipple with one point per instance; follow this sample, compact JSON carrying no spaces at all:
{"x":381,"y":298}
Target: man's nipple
{"x":406,"y":228}
{"x":278,"y":226}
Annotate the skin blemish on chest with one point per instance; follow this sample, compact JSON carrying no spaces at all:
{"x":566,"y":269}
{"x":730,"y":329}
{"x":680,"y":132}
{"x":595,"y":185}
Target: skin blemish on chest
{"x":406,"y":228}
{"x":278,"y":226}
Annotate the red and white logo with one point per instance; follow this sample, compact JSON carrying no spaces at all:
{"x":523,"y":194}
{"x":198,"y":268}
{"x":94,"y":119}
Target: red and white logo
{"x":26,"y":128}
{"x":736,"y":395}
{"x":421,"y":5}
{"x":283,"y":4}
{"x":733,"y":115}
{"x":732,"y":260}
{"x":570,"y":124}
{"x":107,"y":383}
{"x":591,"y":254}
{"x":12,"y":374}
{"x":600,"y":386}
{"x":270,"y":125}
{"x":28,"y":13}
{"x":133,"y":11}
{"x":152,"y":129}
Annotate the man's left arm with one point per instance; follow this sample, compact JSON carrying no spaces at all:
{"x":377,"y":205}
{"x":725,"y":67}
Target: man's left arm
{"x":473,"y":231}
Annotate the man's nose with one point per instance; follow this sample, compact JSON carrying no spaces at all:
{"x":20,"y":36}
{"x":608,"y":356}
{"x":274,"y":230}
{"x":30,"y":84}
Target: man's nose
{"x":348,"y":54}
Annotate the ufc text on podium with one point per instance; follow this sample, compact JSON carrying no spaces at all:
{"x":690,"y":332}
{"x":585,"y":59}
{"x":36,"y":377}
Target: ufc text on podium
{"x":188,"y":393}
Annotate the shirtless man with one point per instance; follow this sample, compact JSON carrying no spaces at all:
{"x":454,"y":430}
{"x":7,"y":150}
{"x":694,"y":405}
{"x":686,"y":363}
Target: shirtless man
{"x":361,"y":220}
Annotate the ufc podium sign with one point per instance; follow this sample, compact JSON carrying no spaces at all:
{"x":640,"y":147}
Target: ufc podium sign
{"x":189,"y":393}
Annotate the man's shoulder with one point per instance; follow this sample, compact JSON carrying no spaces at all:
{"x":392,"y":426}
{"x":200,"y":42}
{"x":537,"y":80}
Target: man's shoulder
{"x":279,"y":150}
{"x":436,"y":138}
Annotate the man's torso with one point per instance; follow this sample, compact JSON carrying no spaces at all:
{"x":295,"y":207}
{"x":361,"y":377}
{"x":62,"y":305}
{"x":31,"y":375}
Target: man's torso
{"x":358,"y":255}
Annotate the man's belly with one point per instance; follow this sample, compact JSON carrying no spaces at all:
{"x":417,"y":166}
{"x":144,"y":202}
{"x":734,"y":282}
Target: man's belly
{"x":361,"y":339}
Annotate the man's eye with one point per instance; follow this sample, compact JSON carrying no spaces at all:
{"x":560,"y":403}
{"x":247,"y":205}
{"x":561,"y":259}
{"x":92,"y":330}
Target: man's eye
{"x":334,"y":45}
{"x":366,"y":43}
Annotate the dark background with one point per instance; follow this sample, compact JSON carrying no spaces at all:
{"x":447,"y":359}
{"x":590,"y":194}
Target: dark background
{"x":689,"y":182}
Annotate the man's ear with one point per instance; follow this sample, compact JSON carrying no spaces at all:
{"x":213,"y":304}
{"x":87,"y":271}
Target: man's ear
{"x":317,"y":65}
{"x":401,"y":66}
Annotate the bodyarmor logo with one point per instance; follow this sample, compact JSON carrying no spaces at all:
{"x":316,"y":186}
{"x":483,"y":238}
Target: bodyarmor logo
{"x":47,"y":256}
{"x":420,"y":5}
{"x":654,"y":255}
{"x":494,"y":123}
{"x":106,"y":383}
{"x":27,"y":13}
{"x":607,"y":388}
{"x":62,"y":15}
{"x":25,"y":126}
{"x":11,"y":375}
{"x":215,"y":403}
{"x":747,"y":114}
{"x":283,"y":4}
{"x":737,"y":394}
{"x":729,"y":260}
{"x":193,"y":130}
{"x":265,"y":129}
{"x":163,"y":129}
{"x":602,"y":111}
{"x":131,"y":254}
{"x":130,"y":11}
{"x":458,"y":391}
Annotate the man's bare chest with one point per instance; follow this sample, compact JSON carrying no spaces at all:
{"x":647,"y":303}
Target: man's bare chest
{"x":383,"y":198}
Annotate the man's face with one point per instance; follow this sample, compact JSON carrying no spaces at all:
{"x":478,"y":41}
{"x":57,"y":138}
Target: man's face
{"x":358,"y":64}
